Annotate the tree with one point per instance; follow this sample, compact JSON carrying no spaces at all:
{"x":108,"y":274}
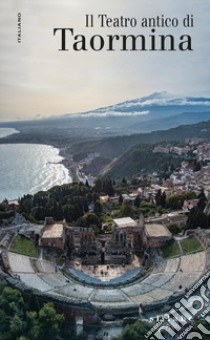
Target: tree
{"x":197,"y":218}
{"x":157,"y":197}
{"x":124,"y":181}
{"x":175,"y":202}
{"x":16,"y":327}
{"x":68,"y":212}
{"x":57,"y":211}
{"x":160,"y":198}
{"x":121,"y":199}
{"x":163,"y":199}
{"x":202,"y":200}
{"x":38,"y":213}
{"x":104,"y":185}
{"x":137,"y":202}
{"x":98,"y":185}
{"x":108,"y":187}
{"x":32,"y":325}
{"x":4,"y":322}
{"x":197,"y":166}
{"x":56,"y":202}
{"x":202,"y":194}
{"x":26,"y":203}
{"x":89,"y":220}
{"x":98,"y":208}
{"x":127,"y":210}
{"x":49,"y":322}
{"x":136,"y":331}
{"x":11,"y":301}
{"x":189,"y":195}
{"x":134,"y":180}
{"x":18,"y":322}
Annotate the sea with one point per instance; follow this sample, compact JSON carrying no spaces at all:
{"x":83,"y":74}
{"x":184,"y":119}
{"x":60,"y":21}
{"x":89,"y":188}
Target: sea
{"x":29,"y":168}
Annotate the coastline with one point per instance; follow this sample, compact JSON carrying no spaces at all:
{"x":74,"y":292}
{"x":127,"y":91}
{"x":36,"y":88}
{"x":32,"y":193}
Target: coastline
{"x":69,"y":164}
{"x":8,"y":132}
{"x":44,"y":168}
{"x":76,"y":169}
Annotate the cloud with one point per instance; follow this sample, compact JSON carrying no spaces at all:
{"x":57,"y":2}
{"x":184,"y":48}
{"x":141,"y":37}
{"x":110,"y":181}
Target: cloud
{"x":99,"y":114}
{"x":159,"y":99}
{"x":35,"y":78}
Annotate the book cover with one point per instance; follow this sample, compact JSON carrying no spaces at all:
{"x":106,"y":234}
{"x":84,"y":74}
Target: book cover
{"x":114,"y":96}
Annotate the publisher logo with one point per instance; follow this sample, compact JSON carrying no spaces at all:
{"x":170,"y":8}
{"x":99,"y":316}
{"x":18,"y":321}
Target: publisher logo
{"x":177,"y":323}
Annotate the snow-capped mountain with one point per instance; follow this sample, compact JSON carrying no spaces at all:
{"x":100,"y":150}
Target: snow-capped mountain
{"x":143,"y":106}
{"x":158,"y":111}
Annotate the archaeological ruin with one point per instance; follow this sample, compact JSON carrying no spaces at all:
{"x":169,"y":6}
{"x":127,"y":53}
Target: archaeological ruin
{"x":98,"y":277}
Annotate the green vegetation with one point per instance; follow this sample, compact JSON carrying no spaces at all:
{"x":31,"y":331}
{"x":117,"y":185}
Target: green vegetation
{"x":90,"y":220}
{"x":6,"y":214}
{"x":104,"y":186}
{"x":111,"y":147}
{"x":170,"y":250}
{"x":5,"y":211}
{"x":141,"y":157}
{"x":174,"y":228}
{"x":24,"y":246}
{"x":191,"y":245}
{"x":175,"y":202}
{"x":27,"y":320}
{"x":80,"y":204}
{"x":73,"y":202}
{"x":197,"y":218}
{"x":136,"y":331}
{"x":69,"y":201}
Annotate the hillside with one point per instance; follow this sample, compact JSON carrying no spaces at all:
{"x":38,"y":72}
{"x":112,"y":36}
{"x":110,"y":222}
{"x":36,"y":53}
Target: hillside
{"x":141,"y":158}
{"x":115,"y":146}
{"x":110,"y":149}
{"x":172,"y":121}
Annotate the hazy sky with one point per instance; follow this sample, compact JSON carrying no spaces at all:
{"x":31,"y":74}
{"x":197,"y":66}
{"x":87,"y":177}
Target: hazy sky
{"x":37,"y":80}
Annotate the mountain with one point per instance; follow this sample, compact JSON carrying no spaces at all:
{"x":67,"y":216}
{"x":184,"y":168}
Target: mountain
{"x":172,"y":121}
{"x":144,"y":106}
{"x":159,"y":111}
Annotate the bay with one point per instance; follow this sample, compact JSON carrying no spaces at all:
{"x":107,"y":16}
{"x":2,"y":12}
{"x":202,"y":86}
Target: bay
{"x":4,"y":132}
{"x":29,"y":168}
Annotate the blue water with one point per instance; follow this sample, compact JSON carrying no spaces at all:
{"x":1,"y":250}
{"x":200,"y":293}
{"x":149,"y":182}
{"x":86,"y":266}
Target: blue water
{"x":29,"y":168}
